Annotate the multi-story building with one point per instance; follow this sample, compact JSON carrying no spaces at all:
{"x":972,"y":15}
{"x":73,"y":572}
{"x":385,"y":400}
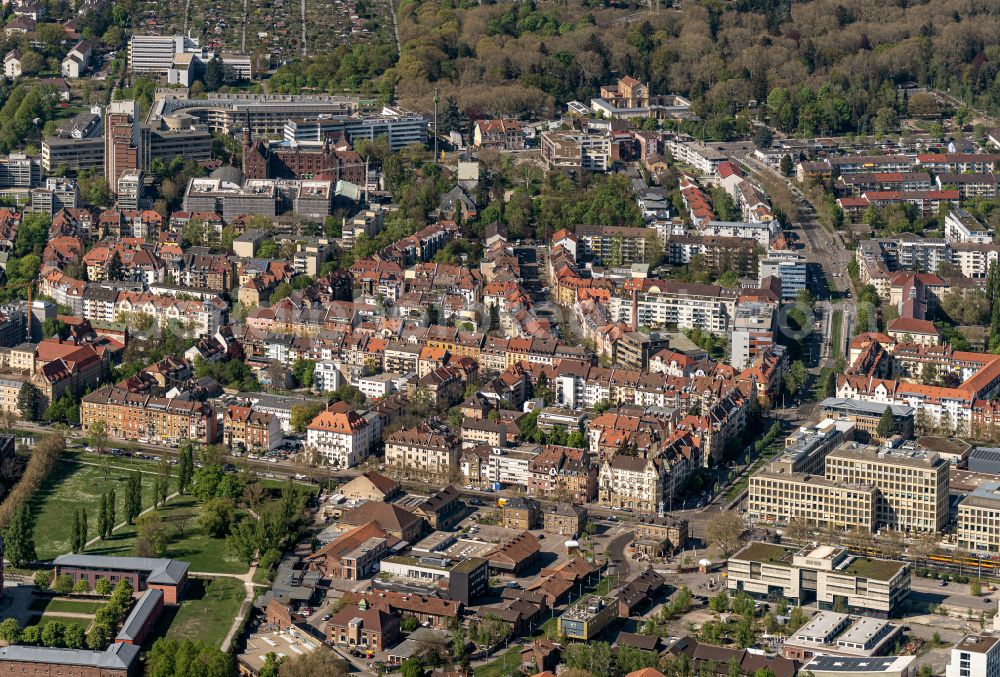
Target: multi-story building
{"x":978,"y":522}
{"x":828,"y":575}
{"x":363,"y":627}
{"x":401,"y":128}
{"x":563,"y":474}
{"x":169,"y":576}
{"x":258,"y":196}
{"x":250,"y":430}
{"x":836,"y":634}
{"x":975,"y":656}
{"x":696,"y":154}
{"x":762,"y":233}
{"x":123,"y":141}
{"x":658,"y":536}
{"x":659,"y":304}
{"x":961,"y":226}
{"x":498,"y":134}
{"x":564,"y":519}
{"x":911,"y":483}
{"x":790,"y":267}
{"x":521,"y":513}
{"x":576,"y":151}
{"x":613,"y":245}
{"x":340,"y":436}
{"x":776,"y":496}
{"x":428,"y":449}
{"x":866,"y":416}
{"x":17,"y":170}
{"x":587,"y":617}
{"x":145,"y":418}
{"x":631,"y":482}
{"x":155,"y":53}
{"x":58,"y":193}
{"x":753,"y":332}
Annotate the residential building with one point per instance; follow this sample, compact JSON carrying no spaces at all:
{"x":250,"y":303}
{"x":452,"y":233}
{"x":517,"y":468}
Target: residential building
{"x":355,"y":554}
{"x":520,"y":513}
{"x":498,"y":134}
{"x":123,"y":145}
{"x":961,"y":226}
{"x":428,"y":449}
{"x":564,"y":519}
{"x":828,"y":575}
{"x":975,"y":656}
{"x":250,"y":431}
{"x":340,"y":436}
{"x":753,"y":332}
{"x":613,"y":245}
{"x":631,"y":482}
{"x":395,"y":520}
{"x":134,"y":416}
{"x":575,"y":151}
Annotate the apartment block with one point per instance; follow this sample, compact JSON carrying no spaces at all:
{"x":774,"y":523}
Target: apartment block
{"x":123,"y":150}
{"x":827,"y":575}
{"x":753,"y":332}
{"x":145,"y":418}
{"x":790,"y":267}
{"x":428,"y":449}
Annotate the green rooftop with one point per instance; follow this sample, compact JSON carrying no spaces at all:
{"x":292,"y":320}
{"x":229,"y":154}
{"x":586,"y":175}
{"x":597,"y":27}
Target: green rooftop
{"x":766,"y":553}
{"x":877,"y":569}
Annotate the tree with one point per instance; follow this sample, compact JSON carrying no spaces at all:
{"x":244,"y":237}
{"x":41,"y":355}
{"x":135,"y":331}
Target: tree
{"x":787,"y":166}
{"x":887,"y":426}
{"x":30,"y":401}
{"x":151,"y":539}
{"x":271,"y":665}
{"x":796,"y":619}
{"x":112,"y":510}
{"x":319,"y":662}
{"x":81,"y":587}
{"x":31,"y":635}
{"x":891,"y":543}
{"x":133,"y":497}
{"x":409,"y":623}
{"x":97,"y":437}
{"x":99,"y":636}
{"x":217,"y":515}
{"x":103,"y":587}
{"x":303,"y":414}
{"x":42,"y":579}
{"x":215,"y":74}
{"x":74,"y":637}
{"x":797,"y":530}
{"x":719,"y":603}
{"x":412,"y":667}
{"x":10,"y":630}
{"x":102,"y":517}
{"x":725,"y":532}
{"x":975,"y":587}
{"x":52,"y":633}
{"x":115,"y":271}
{"x":19,"y":539}
{"x":185,"y":467}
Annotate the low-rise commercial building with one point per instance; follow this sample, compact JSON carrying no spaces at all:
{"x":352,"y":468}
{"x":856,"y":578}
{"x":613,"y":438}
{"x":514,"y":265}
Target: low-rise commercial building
{"x":587,"y":617}
{"x":828,"y":575}
{"x":836,"y":634}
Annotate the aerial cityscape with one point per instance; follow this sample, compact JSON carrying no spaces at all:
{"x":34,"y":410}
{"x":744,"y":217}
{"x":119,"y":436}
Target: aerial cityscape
{"x":500,"y":339}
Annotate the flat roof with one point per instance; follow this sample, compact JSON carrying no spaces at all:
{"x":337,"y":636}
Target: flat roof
{"x":863,"y":630}
{"x":873,"y":665}
{"x":823,"y":626}
{"x":769,"y":553}
{"x":977,"y":643}
{"x":879,"y":569}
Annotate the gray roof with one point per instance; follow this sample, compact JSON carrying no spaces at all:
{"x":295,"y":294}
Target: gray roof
{"x":874,"y":664}
{"x":864,"y":407}
{"x":116,"y":657}
{"x":160,"y":571}
{"x":141,"y":612}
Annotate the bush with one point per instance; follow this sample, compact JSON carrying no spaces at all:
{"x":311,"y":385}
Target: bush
{"x":63,"y":585}
{"x":103,"y":587}
{"x":43,"y":579}
{"x":81,"y":587}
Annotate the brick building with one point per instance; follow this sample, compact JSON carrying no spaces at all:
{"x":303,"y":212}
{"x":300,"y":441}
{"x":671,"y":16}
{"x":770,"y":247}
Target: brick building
{"x":144,"y":573}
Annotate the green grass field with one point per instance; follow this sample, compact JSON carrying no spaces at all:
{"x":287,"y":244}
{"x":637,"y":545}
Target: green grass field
{"x":205,"y":614}
{"x":50,"y":605}
{"x":73,"y":485}
{"x":186,"y":540}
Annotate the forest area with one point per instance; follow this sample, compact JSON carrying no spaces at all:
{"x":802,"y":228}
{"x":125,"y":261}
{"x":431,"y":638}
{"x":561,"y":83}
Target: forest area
{"x":818,"y":65}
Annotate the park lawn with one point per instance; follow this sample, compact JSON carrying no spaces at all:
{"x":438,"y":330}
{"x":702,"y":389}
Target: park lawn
{"x":42,"y":621}
{"x":72,"y":485}
{"x":81,"y":606}
{"x":186,"y":540}
{"x":206,"y":613}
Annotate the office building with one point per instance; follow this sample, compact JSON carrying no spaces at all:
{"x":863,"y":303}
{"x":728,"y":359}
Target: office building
{"x":57,"y":193}
{"x":978,"y":523}
{"x":155,"y":54}
{"x":267,"y":114}
{"x":827,"y":575}
{"x":866,"y":416}
{"x":790,"y":267}
{"x":836,"y":634}
{"x":911,"y":483}
{"x":975,"y":656}
{"x":401,"y":128}
{"x":17,"y":170}
{"x":838,"y":666}
{"x":122,"y":141}
{"x":73,"y":153}
{"x":231,"y":200}
{"x":587,"y":617}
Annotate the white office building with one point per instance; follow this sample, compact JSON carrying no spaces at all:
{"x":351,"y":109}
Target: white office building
{"x":155,"y":53}
{"x":975,"y":656}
